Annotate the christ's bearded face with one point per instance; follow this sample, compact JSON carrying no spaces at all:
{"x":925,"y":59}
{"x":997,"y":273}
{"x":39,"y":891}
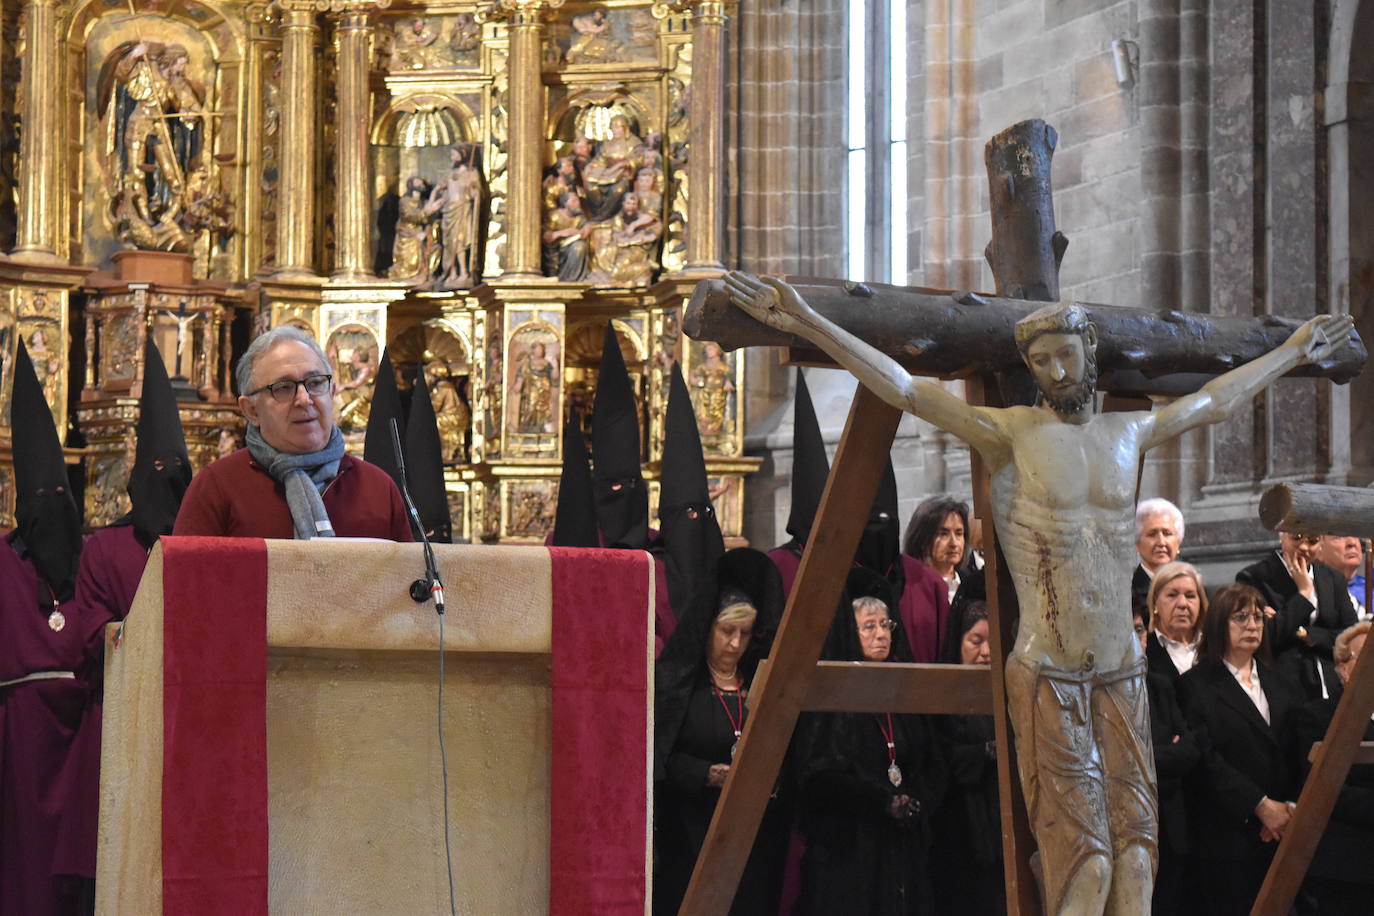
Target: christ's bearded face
{"x":1065,"y":369}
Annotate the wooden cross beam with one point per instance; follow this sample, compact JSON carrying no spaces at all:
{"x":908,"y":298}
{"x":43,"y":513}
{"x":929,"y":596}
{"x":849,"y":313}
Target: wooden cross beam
{"x":1315,"y":509}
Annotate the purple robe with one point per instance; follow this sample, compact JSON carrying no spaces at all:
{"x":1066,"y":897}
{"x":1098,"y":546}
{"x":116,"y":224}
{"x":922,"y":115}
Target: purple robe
{"x":923,"y":608}
{"x":787,"y":559}
{"x":39,"y":721}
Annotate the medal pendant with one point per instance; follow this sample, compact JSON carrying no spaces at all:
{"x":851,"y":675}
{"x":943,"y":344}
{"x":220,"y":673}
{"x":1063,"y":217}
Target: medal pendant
{"x":894,"y":774}
{"x":56,"y":621}
{"x":734,"y":746}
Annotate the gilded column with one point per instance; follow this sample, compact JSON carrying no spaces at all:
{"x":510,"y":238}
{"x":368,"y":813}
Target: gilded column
{"x":706,"y":162}
{"x":295,"y":195}
{"x":40,"y":148}
{"x":526,"y":130}
{"x":351,"y":181}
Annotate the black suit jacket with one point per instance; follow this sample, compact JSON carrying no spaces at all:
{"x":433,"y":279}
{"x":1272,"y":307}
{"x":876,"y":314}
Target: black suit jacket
{"x":1158,"y":661}
{"x":1303,"y":660}
{"x":1177,"y":755}
{"x":1346,"y":848}
{"x":1140,"y":591}
{"x":1243,"y":759}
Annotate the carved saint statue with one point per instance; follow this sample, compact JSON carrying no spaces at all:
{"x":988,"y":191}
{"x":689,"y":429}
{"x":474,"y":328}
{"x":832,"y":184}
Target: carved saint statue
{"x":565,"y":240}
{"x":592,"y":45}
{"x":458,"y":196}
{"x":1063,"y":482}
{"x":608,"y":174}
{"x":634,"y":235}
{"x":414,"y":252}
{"x":154,"y":134}
{"x":713,"y":381}
{"x":534,"y":378}
{"x":450,"y":412}
{"x":410,"y":44}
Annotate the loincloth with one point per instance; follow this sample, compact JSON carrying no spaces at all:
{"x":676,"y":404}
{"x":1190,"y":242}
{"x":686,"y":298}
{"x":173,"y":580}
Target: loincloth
{"x":1087,"y":765}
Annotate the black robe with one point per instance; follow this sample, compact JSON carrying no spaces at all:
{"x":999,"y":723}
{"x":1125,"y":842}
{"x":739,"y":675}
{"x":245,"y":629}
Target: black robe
{"x":859,"y":859}
{"x":966,"y":853}
{"x":685,"y":804}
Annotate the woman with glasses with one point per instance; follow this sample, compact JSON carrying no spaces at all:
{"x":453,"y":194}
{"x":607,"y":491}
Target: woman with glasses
{"x":868,"y":782}
{"x":1237,"y":705}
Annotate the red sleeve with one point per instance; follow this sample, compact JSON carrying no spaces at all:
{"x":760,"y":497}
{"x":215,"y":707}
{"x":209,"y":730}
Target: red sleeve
{"x":400,"y":519}
{"x":97,"y":606}
{"x":203,"y":512}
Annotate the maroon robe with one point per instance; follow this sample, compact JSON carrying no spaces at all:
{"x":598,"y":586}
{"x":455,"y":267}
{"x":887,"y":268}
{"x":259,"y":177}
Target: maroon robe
{"x":787,"y":559}
{"x":923,"y":608}
{"x":112,"y":563}
{"x":236,"y":497}
{"x":39,"y":721}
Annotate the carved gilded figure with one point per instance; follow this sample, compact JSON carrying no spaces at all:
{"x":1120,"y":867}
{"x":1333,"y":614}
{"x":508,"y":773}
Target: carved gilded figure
{"x":459,"y":199}
{"x":607,"y":176}
{"x":154,"y":134}
{"x":634,"y":235}
{"x":450,"y":412}
{"x":592,"y":44}
{"x":466,"y":34}
{"x":713,"y":382}
{"x":565,"y":240}
{"x":492,"y":395}
{"x":534,"y":383}
{"x":414,"y":251}
{"x":410,"y":44}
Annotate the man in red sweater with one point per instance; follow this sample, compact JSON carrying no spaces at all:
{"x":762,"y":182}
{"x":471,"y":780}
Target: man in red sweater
{"x":293,"y":480}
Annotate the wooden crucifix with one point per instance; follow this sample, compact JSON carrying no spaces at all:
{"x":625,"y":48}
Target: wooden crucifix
{"x":1060,"y":483}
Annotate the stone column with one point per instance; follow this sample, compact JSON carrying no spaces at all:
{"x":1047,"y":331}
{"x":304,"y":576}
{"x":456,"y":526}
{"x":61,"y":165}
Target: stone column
{"x":41,"y":137}
{"x":352,"y":209}
{"x":526,"y":133}
{"x":295,"y":210}
{"x":706,"y":162}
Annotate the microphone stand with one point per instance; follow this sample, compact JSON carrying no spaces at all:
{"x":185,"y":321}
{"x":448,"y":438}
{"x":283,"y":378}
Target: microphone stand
{"x":431,"y":584}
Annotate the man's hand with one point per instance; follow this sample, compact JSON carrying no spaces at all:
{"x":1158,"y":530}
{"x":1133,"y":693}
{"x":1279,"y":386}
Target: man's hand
{"x":715,"y":776}
{"x":1274,"y":817}
{"x":768,"y":300}
{"x":1319,"y":338}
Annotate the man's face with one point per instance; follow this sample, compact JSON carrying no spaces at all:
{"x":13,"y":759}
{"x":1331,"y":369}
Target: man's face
{"x":303,"y":424}
{"x":1158,"y":541}
{"x":1299,"y":545}
{"x":1341,"y":553}
{"x":1063,"y":368}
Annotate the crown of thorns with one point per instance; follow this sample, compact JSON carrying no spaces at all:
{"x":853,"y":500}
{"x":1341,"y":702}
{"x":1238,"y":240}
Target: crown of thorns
{"x":1059,"y":318}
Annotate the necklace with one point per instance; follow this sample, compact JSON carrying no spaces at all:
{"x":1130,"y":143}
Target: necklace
{"x":718,"y":677}
{"x":56,"y":620}
{"x":894,"y":772}
{"x":736,"y":718}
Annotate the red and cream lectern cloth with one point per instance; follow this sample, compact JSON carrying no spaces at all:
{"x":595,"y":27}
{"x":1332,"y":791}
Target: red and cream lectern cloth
{"x":200,"y":845}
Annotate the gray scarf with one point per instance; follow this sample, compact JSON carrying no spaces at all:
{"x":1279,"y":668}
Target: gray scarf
{"x":304,"y":477}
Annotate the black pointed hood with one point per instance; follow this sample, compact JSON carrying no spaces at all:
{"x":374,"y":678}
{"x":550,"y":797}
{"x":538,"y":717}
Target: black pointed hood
{"x":810,"y":467}
{"x":47,"y":523}
{"x":425,"y":464}
{"x":574,"y":521}
{"x":880,"y":543}
{"x":162,"y":466}
{"x":622,"y":499}
{"x":386,"y":406}
{"x":689,"y":536}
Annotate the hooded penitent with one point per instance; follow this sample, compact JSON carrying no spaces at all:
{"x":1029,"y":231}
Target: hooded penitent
{"x":386,"y":406}
{"x":162,"y":467}
{"x":689,"y":538}
{"x":810,"y":468}
{"x":742,"y":574}
{"x":622,"y":499}
{"x":574,"y":521}
{"x":880,"y":543}
{"x":47,"y":524}
{"x":425,"y":465}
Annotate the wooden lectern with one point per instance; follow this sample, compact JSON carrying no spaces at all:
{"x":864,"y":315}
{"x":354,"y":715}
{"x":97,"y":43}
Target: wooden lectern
{"x":352,"y":772}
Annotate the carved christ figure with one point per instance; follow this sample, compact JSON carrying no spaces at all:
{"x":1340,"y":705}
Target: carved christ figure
{"x":1063,"y":480}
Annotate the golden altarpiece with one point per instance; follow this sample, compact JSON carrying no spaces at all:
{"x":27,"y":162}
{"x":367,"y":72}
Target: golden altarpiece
{"x":478,"y":186}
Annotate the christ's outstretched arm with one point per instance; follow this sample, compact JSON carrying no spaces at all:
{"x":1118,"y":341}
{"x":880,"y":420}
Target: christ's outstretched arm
{"x":778,"y":305}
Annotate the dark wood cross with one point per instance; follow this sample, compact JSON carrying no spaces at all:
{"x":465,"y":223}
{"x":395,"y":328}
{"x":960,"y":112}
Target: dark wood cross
{"x":945,"y":334}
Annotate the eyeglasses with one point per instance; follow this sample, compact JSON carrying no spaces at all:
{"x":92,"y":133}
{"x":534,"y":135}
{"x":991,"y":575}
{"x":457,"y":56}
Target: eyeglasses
{"x":284,"y":392}
{"x":1312,"y":539}
{"x":1243,"y":618}
{"x":873,"y":626}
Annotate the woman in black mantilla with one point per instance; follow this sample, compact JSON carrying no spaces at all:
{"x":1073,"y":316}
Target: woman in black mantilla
{"x":701,"y":686}
{"x":966,"y":855}
{"x":868,"y":783}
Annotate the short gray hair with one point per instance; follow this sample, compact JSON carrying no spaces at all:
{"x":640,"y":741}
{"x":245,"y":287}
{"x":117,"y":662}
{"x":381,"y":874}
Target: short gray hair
{"x":243,"y":372}
{"x":871,"y":603}
{"x":1157,"y":506}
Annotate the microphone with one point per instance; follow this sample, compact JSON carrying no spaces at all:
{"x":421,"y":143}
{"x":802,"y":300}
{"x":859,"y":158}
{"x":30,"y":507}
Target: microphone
{"x":431,"y":584}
